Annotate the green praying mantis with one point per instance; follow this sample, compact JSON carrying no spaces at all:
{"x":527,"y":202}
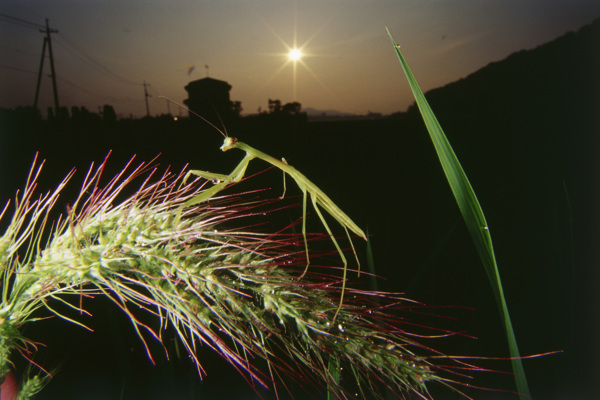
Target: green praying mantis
{"x":318,"y":198}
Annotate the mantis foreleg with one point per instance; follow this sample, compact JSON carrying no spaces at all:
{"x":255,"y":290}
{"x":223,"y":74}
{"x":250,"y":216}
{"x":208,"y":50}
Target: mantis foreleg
{"x":222,"y":180}
{"x":206,"y":194}
{"x":216,"y":178}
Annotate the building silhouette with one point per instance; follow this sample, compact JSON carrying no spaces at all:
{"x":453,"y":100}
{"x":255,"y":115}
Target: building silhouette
{"x":209,"y":98}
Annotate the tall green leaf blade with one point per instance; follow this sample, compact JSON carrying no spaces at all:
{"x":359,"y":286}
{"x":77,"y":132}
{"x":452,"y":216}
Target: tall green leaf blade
{"x":471,"y":212}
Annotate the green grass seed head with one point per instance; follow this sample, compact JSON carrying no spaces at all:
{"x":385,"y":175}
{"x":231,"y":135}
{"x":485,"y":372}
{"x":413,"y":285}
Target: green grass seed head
{"x":238,"y":293}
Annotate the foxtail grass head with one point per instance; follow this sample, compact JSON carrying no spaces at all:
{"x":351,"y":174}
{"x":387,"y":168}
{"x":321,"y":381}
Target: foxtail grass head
{"x":212,"y":272}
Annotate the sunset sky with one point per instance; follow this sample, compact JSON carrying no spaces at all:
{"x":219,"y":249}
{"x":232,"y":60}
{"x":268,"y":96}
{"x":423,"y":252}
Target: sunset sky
{"x":105,"y":50}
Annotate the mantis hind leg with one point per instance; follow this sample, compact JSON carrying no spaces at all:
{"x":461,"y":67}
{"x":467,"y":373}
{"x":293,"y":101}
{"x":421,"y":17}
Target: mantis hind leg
{"x":284,"y":188}
{"x":304,"y":233}
{"x":353,"y":249}
{"x":341,"y":253}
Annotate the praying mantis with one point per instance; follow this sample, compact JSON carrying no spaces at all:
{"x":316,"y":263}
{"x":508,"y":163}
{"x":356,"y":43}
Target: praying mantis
{"x":318,"y":198}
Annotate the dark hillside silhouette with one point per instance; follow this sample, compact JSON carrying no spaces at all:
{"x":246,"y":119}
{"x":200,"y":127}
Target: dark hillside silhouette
{"x":558,"y":80}
{"x":527,"y":130}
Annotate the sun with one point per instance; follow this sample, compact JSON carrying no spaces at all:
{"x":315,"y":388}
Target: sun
{"x":295,"y":54}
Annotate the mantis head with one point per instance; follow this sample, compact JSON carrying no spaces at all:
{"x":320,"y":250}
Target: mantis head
{"x":229,"y":143}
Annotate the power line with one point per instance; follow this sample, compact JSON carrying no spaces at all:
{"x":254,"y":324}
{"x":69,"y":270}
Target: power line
{"x":83,"y":56}
{"x":13,"y":49}
{"x":21,"y":22}
{"x":105,"y":98}
{"x":68,"y":82}
{"x":17,"y":69}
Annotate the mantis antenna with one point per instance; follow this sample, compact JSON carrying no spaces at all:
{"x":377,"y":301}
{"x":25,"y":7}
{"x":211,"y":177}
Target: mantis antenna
{"x":318,"y":198}
{"x":197,"y":115}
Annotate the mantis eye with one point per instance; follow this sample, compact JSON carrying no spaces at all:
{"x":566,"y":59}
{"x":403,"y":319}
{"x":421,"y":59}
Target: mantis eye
{"x":228,"y":143}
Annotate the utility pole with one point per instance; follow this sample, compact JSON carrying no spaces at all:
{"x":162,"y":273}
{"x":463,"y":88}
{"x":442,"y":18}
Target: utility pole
{"x":47,"y":42}
{"x":146,"y":95}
